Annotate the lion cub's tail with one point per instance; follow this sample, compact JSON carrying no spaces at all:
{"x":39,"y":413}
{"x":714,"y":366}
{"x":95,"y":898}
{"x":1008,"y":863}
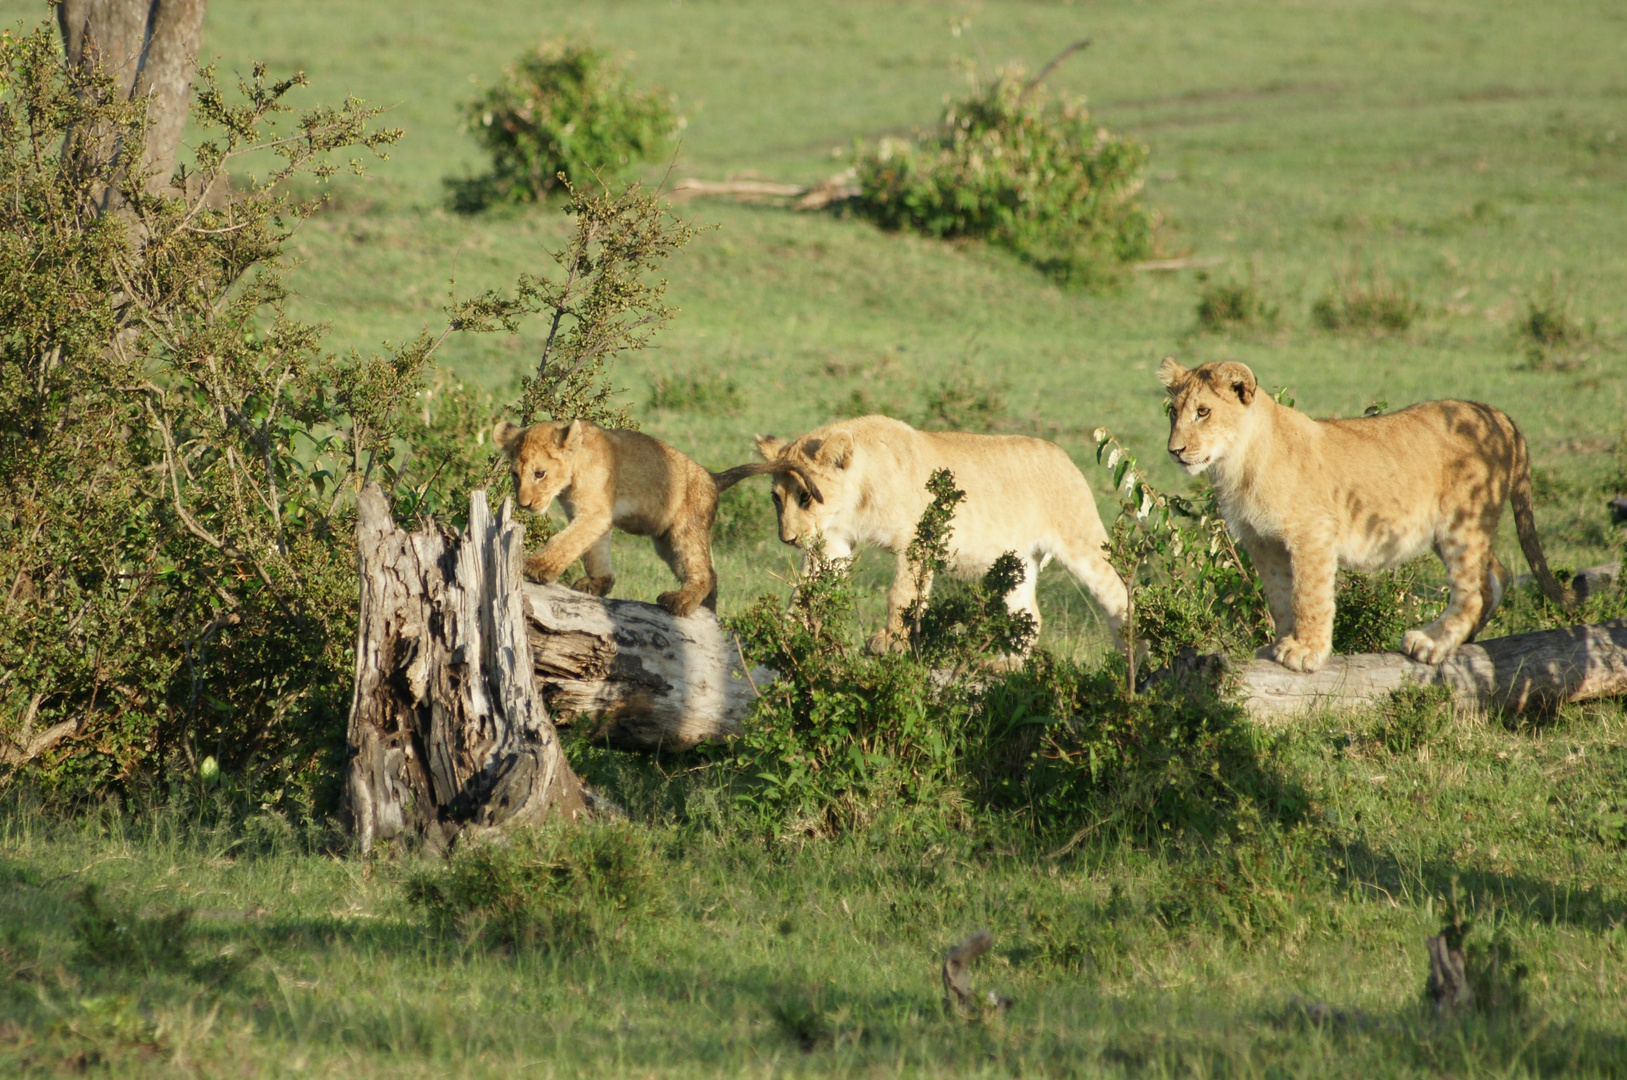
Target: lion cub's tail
{"x":1525,"y":523}
{"x":728,"y":478}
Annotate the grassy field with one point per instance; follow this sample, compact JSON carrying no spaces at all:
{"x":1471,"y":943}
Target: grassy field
{"x":1475,"y":153}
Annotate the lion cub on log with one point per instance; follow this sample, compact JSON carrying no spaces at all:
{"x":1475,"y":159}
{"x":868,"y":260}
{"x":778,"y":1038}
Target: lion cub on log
{"x":864,"y":482}
{"x":1309,"y":496}
{"x":606,"y":477}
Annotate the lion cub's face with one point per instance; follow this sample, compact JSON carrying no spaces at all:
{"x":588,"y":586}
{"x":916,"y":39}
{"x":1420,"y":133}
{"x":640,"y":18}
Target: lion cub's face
{"x":543,"y":457}
{"x":806,"y":510}
{"x":1207,"y":407}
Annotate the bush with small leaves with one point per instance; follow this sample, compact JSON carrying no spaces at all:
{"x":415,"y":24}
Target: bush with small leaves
{"x":1227,"y":305}
{"x":1011,"y":166}
{"x":564,"y":109}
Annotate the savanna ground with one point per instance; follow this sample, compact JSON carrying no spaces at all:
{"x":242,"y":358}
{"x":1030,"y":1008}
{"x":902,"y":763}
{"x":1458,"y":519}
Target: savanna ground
{"x":1473,"y":154}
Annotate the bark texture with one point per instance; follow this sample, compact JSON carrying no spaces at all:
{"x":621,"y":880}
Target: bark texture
{"x":1534,"y":671}
{"x":447,"y":730}
{"x":150,"y":49}
{"x":641,"y":678}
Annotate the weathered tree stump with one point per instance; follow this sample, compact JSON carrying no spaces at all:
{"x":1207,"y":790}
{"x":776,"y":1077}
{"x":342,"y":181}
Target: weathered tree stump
{"x":1534,"y":671}
{"x":641,"y":678}
{"x":447,"y":729}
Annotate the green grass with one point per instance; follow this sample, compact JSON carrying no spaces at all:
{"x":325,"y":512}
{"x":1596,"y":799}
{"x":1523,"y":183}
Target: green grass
{"x":822,"y":960}
{"x":1475,"y":153}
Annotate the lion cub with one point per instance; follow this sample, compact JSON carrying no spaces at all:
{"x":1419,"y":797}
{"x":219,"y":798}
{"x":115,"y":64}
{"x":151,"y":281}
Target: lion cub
{"x":1309,"y":496}
{"x":604,"y":478}
{"x":864,"y":482}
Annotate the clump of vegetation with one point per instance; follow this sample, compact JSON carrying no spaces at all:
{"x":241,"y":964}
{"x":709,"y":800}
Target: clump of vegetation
{"x":563,"y":115}
{"x":1549,"y":333}
{"x":694,"y":392}
{"x":1370,"y":302}
{"x":744,"y":517}
{"x":964,"y":402}
{"x":1233,"y":305}
{"x":1492,"y":976}
{"x":1372,"y":611}
{"x":1014,"y":167}
{"x":559,"y":887}
{"x":179,"y":458}
{"x":1190,"y":585}
{"x":1412,"y":717}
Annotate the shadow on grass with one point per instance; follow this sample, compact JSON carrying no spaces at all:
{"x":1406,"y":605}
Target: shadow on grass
{"x":1591,"y":908}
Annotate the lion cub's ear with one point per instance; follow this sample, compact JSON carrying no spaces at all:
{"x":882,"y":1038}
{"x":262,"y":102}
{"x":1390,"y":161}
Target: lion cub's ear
{"x":1171,"y":373}
{"x":769,"y":448}
{"x":836,"y":450}
{"x":571,"y":438}
{"x":1239,"y":378}
{"x":507,"y":436}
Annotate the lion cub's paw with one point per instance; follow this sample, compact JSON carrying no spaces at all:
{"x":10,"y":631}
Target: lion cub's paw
{"x":1295,"y":656}
{"x":677,"y":604}
{"x":1425,"y":647}
{"x":595,"y":586}
{"x":537,"y":570}
{"x":883,"y":641}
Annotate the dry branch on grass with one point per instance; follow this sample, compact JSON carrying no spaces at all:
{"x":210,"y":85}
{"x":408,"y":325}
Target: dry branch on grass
{"x":833,"y":189}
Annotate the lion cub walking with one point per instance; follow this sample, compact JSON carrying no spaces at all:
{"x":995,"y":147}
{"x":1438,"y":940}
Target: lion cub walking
{"x":604,"y":478}
{"x":1309,"y":496}
{"x":864,"y":482}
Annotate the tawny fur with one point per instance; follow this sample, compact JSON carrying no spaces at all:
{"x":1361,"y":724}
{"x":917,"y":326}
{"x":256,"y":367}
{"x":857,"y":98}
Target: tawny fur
{"x":863,"y":482}
{"x":606,"y":478}
{"x":1306,"y":497}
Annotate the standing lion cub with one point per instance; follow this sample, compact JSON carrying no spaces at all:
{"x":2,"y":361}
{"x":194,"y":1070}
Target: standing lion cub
{"x":605,"y":477}
{"x":1309,"y":496}
{"x":863,"y":481}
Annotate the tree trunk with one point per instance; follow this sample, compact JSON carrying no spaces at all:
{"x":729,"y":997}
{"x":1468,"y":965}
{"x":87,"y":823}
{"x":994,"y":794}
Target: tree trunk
{"x":1536,"y":671}
{"x":150,"y":49}
{"x":447,"y":730}
{"x":645,"y":680}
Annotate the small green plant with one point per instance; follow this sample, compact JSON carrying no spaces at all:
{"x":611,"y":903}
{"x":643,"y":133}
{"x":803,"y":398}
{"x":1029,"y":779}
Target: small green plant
{"x":694,"y":393}
{"x":1190,"y":586}
{"x":560,"y":888}
{"x":1369,"y":302}
{"x":963,"y":402}
{"x":1228,"y":305}
{"x":744,"y":517}
{"x":1549,"y":334}
{"x":1011,"y":166}
{"x":1372,"y":611}
{"x":563,"y":115}
{"x":1412,"y":717}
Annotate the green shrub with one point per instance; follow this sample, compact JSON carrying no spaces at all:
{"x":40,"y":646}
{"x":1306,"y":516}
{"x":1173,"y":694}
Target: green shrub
{"x":1372,"y":303}
{"x":1412,"y":716}
{"x":1372,"y":611}
{"x":110,"y":936}
{"x":694,"y":393}
{"x":560,"y":888}
{"x":744,"y":517}
{"x":567,"y":109}
{"x":1224,"y":305}
{"x":1009,"y":166}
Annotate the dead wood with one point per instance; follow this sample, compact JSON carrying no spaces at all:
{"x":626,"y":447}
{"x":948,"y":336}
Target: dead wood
{"x":1536,"y":671}
{"x":1448,"y":985}
{"x":447,"y":730}
{"x":637,"y":677}
{"x":843,"y":185}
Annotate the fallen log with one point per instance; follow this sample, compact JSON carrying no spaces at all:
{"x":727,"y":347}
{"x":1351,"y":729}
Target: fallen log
{"x":639,"y":678}
{"x":832,"y":189}
{"x":1536,"y":671}
{"x":447,"y":730}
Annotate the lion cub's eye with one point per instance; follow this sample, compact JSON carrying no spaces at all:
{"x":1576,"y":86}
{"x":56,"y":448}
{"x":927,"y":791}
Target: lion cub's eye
{"x":539,"y":474}
{"x":778,"y":502}
{"x":1203,"y":412}
{"x":804,"y":500}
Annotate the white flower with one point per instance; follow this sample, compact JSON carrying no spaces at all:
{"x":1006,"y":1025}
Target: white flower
{"x":1100,"y":435}
{"x":1129,"y":481}
{"x":1146,"y":505}
{"x":1113,"y":456}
